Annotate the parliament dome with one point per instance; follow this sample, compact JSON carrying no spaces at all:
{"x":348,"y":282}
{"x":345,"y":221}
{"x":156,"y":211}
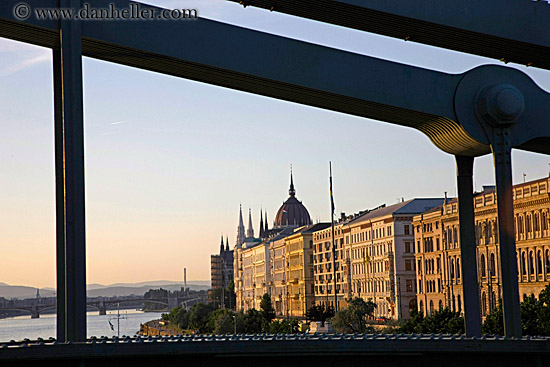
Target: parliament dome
{"x":292,"y":212}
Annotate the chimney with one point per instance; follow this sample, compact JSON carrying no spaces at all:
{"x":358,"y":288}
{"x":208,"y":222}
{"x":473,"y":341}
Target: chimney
{"x":185,"y":280}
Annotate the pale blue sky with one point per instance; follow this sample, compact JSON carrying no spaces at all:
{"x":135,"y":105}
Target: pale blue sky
{"x":169,"y":160}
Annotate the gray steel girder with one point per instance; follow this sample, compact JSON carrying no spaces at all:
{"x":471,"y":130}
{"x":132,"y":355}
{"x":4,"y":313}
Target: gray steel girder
{"x":279,"y":67}
{"x":507,"y":30}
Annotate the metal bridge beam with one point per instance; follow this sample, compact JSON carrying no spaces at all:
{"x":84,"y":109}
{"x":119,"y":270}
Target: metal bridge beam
{"x":472,"y":316}
{"x":505,"y":30}
{"x":69,"y":171}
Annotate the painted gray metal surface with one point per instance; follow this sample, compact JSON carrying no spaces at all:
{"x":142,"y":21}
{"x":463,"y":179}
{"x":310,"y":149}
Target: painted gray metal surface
{"x":465,"y":189}
{"x":283,"y":68}
{"x":277,"y":350}
{"x":70,"y":203}
{"x":511,"y":30}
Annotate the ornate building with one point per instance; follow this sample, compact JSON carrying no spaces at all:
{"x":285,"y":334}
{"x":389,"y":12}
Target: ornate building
{"x":439,"y":281}
{"x":221,"y":266}
{"x":292,"y":212}
{"x":378,"y":249}
{"x":254,"y":261}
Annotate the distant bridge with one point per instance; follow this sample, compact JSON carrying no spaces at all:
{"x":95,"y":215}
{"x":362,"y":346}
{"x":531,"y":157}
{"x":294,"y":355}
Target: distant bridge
{"x":102,"y":305}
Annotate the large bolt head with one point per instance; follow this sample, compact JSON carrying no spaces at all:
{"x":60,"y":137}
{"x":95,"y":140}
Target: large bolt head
{"x":500,"y":105}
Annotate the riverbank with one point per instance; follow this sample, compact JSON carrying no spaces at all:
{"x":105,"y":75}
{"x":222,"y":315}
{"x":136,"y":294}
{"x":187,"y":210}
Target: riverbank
{"x":159,"y":328}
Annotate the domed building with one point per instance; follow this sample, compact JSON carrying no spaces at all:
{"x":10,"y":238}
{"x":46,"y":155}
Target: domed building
{"x":292,"y":212}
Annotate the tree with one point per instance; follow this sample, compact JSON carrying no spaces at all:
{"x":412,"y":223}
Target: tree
{"x":443,"y":321}
{"x":178,"y":317}
{"x":267,"y":311}
{"x":494,"y":323}
{"x":230,"y":295}
{"x":283,"y":327}
{"x":353,"y":318}
{"x":535,"y":316}
{"x":199,"y":317}
{"x":253,"y":321}
{"x":414,"y":324}
{"x":222,"y":322}
{"x":319,"y":313}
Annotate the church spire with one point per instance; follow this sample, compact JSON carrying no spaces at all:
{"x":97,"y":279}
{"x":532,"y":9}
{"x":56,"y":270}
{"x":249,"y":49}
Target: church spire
{"x":226,"y":243}
{"x":265,"y":223}
{"x":250,"y":232}
{"x":261,"y":225}
{"x":240,"y":229}
{"x":221,"y":246}
{"x":291,"y":192}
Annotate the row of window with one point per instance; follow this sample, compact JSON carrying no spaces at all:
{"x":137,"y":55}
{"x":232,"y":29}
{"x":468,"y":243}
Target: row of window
{"x":371,"y":234}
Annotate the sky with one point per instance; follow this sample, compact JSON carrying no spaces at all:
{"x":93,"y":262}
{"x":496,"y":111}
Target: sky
{"x":169,"y":161}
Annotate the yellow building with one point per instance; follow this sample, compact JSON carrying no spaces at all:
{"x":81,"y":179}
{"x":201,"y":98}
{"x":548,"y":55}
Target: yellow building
{"x":324,"y":266}
{"x":438,"y":248}
{"x":378,"y":247}
{"x":299,"y":269}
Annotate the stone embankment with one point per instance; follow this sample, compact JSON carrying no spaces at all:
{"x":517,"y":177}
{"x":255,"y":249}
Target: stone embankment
{"x":159,"y":327}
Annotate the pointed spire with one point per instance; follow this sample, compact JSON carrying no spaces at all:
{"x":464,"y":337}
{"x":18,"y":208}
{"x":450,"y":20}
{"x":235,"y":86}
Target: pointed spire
{"x":240,"y":229}
{"x":291,"y":192}
{"x":265,"y":223}
{"x":250,"y":232}
{"x":261,"y":224}
{"x":221,"y":246}
{"x":226,"y":243}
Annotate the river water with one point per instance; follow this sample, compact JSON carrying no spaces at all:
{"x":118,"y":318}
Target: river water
{"x":19,"y":328}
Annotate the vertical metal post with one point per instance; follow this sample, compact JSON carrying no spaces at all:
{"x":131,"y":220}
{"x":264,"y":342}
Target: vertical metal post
{"x":60,"y":194}
{"x":69,"y":166}
{"x":502,"y":156}
{"x":333,"y":241}
{"x":472,"y":317}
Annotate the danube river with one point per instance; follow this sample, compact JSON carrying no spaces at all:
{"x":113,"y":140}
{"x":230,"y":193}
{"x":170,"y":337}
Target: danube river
{"x":19,"y":328}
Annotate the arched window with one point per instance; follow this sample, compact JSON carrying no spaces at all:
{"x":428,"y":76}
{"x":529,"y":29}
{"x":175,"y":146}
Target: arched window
{"x":452,"y":269}
{"x":412,"y":305}
{"x":547,"y":261}
{"x":539,"y":262}
{"x":431,"y":307}
{"x":523,"y":264}
{"x":455,"y":237}
{"x":458,"y":268}
{"x":483,"y":304}
{"x":493,"y":300}
{"x":492,"y":265}
{"x":459,"y":304}
{"x":531,"y":263}
{"x":482,"y":265}
{"x":453,"y":304}
{"x":421,"y":307}
{"x":440,"y":305}
{"x":521,"y":230}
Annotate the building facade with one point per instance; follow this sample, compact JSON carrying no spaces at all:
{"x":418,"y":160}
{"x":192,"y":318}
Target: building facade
{"x":325,"y":267}
{"x":378,"y":248}
{"x":262,"y":264}
{"x":221,"y":267}
{"x":300,"y":269}
{"x":438,"y":248}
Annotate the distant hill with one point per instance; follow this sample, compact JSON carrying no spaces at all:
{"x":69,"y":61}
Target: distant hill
{"x":100,"y":290}
{"x":19,"y":291}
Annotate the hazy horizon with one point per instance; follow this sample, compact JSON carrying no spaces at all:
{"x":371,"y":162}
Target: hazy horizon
{"x":169,"y":160}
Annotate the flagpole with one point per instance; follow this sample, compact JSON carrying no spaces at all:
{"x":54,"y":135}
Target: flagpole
{"x":333,"y":246}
